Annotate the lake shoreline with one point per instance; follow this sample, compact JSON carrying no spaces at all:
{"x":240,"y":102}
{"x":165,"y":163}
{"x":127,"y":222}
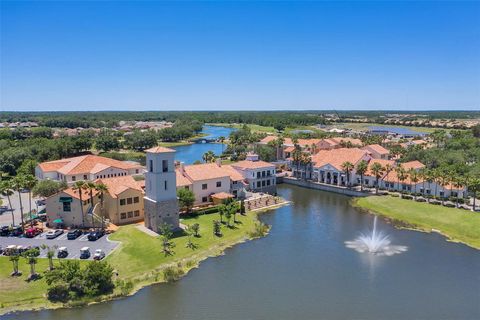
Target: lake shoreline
{"x":151,"y":277}
{"x":408,"y":224}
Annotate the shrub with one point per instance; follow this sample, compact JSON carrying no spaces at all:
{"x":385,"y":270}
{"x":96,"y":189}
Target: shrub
{"x":436,"y":202}
{"x":406,"y":196}
{"x":58,"y":293}
{"x":449,"y":205}
{"x":261,"y":229}
{"x":421,"y":200}
{"x":395,"y":195}
{"x":172,"y":273}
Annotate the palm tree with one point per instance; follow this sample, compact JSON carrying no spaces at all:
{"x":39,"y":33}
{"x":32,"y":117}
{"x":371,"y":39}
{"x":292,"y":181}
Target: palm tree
{"x":6,"y":190}
{"x":347,"y":166}
{"x":443,"y":178}
{"x":50,"y":255}
{"x":102,"y":189}
{"x":90,"y":186}
{"x":429,"y":176}
{"x":422,"y":175}
{"x":208,"y":156}
{"x":306,"y":161}
{"x":414,"y":179}
{"x":400,"y":171}
{"x":378,"y":171}
{"x":474,"y":187}
{"x":30,"y":182}
{"x":402,"y":176}
{"x":457,"y":182}
{"x":18,"y":184}
{"x":296,"y":157}
{"x":221,"y":139}
{"x":14,"y":259}
{"x":78,"y":186}
{"x":361,"y":170}
{"x":435,"y":176}
{"x":31,"y":257}
{"x":221,"y":211}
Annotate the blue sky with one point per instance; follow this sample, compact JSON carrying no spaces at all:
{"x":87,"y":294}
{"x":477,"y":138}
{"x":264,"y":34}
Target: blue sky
{"x":239,"y":56}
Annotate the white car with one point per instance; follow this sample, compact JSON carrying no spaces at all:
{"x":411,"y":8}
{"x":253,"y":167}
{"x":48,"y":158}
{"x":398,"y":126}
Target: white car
{"x":52,"y":234}
{"x":99,"y":254}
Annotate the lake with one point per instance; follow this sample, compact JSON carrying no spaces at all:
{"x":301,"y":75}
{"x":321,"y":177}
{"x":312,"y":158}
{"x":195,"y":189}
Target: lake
{"x":193,"y":152}
{"x":302,"y":270}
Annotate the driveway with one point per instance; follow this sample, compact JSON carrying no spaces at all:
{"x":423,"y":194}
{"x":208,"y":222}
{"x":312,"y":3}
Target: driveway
{"x":73,"y":246}
{"x":6,"y":217}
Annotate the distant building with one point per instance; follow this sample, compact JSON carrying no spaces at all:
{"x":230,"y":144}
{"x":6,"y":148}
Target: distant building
{"x":260,"y":175}
{"x":88,"y":168}
{"x":377,"y":151}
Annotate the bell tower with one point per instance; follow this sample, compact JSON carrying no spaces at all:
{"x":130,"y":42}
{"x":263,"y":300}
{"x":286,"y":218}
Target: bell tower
{"x":160,"y":198}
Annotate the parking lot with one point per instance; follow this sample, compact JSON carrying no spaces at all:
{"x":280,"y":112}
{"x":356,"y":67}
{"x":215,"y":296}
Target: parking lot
{"x":73,"y":246}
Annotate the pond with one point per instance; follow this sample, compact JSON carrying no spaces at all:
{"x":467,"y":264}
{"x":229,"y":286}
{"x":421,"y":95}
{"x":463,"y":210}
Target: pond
{"x":193,"y":152}
{"x":303,"y":270}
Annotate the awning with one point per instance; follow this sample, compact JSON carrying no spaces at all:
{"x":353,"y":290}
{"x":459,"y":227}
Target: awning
{"x":65,"y":199}
{"x":58,"y":221}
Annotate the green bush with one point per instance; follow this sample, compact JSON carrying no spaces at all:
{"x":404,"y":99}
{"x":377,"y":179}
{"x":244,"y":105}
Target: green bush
{"x":58,"y":293}
{"x":172,"y":274}
{"x":395,"y":195}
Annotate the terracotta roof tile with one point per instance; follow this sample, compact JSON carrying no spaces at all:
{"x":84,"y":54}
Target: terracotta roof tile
{"x":377,"y":148}
{"x":159,"y":149}
{"x":117,"y":185}
{"x":245,"y":164}
{"x":336,"y":157}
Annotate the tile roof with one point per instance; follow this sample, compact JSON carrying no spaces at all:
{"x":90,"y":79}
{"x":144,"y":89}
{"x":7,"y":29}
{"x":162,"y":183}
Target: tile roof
{"x":75,"y":194}
{"x":206,"y":171}
{"x":159,"y":149}
{"x":413,"y":165}
{"x":336,"y":157}
{"x":84,"y":164}
{"x":182,"y":180}
{"x":117,"y":185}
{"x":245,"y":164}
{"x":377,"y":148}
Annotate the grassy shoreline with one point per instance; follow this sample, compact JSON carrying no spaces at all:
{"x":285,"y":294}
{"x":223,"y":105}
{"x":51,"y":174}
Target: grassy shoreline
{"x":455,"y":224}
{"x":137,"y":260}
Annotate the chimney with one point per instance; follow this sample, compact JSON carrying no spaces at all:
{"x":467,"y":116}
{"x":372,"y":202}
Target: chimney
{"x":218,"y":161}
{"x":181,"y":167}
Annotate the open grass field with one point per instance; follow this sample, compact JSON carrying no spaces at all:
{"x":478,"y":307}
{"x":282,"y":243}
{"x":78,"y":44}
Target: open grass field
{"x":141,"y":253}
{"x":456,"y":224}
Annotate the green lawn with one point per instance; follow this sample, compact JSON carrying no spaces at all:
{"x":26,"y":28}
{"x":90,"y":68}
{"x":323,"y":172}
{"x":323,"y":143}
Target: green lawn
{"x":253,"y":127}
{"x":457,"y":224}
{"x":366,"y":125}
{"x":141,"y":253}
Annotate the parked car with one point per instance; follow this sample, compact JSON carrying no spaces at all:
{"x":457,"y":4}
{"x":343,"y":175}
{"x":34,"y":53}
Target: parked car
{"x":3,"y":209}
{"x":15,"y":231}
{"x":85,"y":253}
{"x":21,"y":249}
{"x":41,"y":202}
{"x":4,"y":231}
{"x":52,"y":234}
{"x":74,"y":234}
{"x":95,"y":235}
{"x":33,"y":247}
{"x":33,"y":232}
{"x":62,"y":252}
{"x":1,"y":250}
{"x":42,"y":217}
{"x":99,"y":254}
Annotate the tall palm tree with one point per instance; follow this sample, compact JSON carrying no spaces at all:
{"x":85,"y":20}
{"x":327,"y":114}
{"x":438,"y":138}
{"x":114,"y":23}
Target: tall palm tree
{"x":361,"y":170}
{"x":14,"y":259}
{"x":422,"y":174}
{"x":347,"y":166}
{"x":6,"y":190}
{"x":443,"y":179}
{"x":221,"y":139}
{"x":30,"y":182}
{"x":457,"y":182}
{"x":18,"y":184}
{"x":388,"y":169}
{"x":208,"y":156}
{"x":414,"y":179}
{"x":90,"y":186}
{"x":473,"y":185}
{"x":435,"y":176}
{"x":378,"y":171}
{"x":297,"y":157}
{"x":78,"y":186}
{"x":399,"y":170}
{"x":102,"y":188}
{"x":402,"y":175}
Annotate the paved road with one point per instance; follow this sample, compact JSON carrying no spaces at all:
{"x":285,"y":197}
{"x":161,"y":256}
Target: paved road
{"x":6,"y":217}
{"x":73,"y":246}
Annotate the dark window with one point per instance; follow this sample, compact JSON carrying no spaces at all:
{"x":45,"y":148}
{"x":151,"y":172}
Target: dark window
{"x":258,"y":184}
{"x":123,"y":215}
{"x":204,"y":199}
{"x":136,"y":213}
{"x":122,"y":202}
{"x":204,"y":187}
{"x":74,"y":178}
{"x":136,"y":170}
{"x":165,"y":184}
{"x":186,"y":187}
{"x":263,"y":183}
{"x":219,"y":184}
{"x":67,"y":207}
{"x":151,"y":166}
{"x":129,"y":200}
{"x":85,"y":177}
{"x":263,"y":173}
{"x":164,"y":165}
{"x":258,"y":174}
{"x":130,"y":214}
{"x":268,"y":182}
{"x":136,"y":200}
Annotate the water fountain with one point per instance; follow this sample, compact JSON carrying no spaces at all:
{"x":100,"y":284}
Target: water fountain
{"x":375,"y":242}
